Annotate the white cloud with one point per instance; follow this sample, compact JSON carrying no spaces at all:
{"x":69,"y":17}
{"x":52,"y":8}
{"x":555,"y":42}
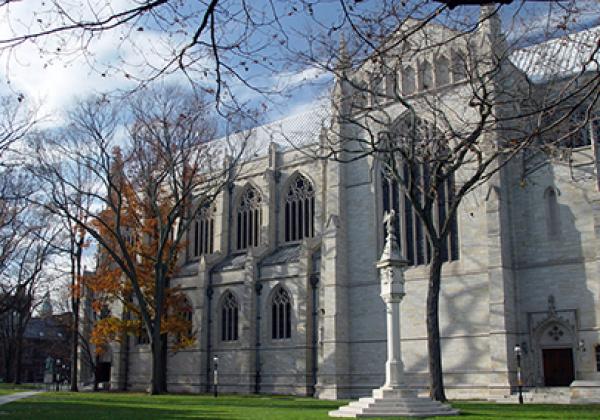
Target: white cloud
{"x":289,"y":80}
{"x":109,"y":61}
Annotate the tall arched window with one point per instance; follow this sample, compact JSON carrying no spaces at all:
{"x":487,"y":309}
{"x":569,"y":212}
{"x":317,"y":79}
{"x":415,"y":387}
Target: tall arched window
{"x":229,"y":318}
{"x":552,"y":213}
{"x":249,"y":219}
{"x":579,"y":129}
{"x":360,"y":96}
{"x":412,"y":237}
{"x":281,"y":314}
{"x":186,"y":314}
{"x":442,"y":71}
{"x":408,"y":81}
{"x":202,"y":234}
{"x":299,"y":209}
{"x":425,"y":76}
{"x":377,"y":89}
{"x":459,"y":67}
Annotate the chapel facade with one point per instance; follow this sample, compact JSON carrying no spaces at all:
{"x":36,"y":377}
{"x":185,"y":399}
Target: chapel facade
{"x":280,"y":270}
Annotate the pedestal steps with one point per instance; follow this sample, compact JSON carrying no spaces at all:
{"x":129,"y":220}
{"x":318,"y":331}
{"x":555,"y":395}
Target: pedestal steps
{"x":390,"y":404}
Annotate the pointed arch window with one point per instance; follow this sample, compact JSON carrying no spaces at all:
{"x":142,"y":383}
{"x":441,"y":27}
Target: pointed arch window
{"x":408,"y":81}
{"x":425,"y":76}
{"x":442,"y":75}
{"x":202,"y":233}
{"x":299,"y":209}
{"x":229,"y":318}
{"x":412,"y":238}
{"x":186,"y":314}
{"x":459,"y":67}
{"x":581,"y":129}
{"x":281,"y":314}
{"x":377,"y":89}
{"x":249,"y":219}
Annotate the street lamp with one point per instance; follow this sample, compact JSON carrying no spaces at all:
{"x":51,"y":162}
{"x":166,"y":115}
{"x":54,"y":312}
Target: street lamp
{"x":519,"y":379}
{"x":57,"y":374}
{"x":216,"y":375}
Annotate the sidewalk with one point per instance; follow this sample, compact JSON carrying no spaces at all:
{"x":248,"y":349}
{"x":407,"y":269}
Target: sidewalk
{"x":5,"y":399}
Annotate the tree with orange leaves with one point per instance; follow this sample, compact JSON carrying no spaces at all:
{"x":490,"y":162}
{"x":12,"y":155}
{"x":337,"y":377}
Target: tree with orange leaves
{"x":148,"y":186}
{"x":108,"y":284}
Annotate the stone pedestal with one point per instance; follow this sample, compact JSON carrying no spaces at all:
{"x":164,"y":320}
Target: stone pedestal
{"x":394,"y":403}
{"x":393,"y":398}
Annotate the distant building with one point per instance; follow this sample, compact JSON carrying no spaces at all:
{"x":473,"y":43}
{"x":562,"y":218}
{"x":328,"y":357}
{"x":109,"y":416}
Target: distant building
{"x":48,"y":336}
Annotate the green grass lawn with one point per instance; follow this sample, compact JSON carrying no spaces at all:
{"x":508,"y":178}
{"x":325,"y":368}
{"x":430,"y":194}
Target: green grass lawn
{"x":7,"y":389}
{"x":130,"y":406}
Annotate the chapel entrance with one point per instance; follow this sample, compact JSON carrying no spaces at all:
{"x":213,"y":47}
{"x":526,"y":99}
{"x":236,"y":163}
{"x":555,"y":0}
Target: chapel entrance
{"x":103,"y":372}
{"x":558,"y":367}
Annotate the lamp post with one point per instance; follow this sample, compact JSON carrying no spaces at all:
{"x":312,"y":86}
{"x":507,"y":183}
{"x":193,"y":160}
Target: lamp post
{"x":519,"y":379}
{"x":57,"y":374}
{"x":216,"y":375}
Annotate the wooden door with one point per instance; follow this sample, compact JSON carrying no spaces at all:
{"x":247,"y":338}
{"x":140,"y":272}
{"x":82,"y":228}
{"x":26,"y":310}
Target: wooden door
{"x":103,"y":372}
{"x":558,"y":367}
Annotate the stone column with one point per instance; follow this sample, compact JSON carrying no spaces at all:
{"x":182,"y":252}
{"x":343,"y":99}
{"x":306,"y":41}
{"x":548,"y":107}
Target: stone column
{"x":391,"y":266}
{"x":393,"y":398}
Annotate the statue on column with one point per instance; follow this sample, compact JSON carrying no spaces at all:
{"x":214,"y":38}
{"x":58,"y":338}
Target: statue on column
{"x":395,"y":397}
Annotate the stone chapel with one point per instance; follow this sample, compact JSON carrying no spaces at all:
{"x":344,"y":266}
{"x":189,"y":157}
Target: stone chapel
{"x":280,"y":270}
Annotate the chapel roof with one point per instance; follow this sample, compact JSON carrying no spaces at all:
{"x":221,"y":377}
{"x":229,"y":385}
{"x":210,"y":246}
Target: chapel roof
{"x":555,"y":58}
{"x":292,"y":132}
{"x":559,"y":57}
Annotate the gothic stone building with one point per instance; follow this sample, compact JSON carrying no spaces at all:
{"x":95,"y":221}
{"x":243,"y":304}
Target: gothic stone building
{"x":280,"y":271}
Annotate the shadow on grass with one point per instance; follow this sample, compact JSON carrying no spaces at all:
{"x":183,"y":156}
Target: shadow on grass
{"x":132,"y":406}
{"x":49,"y":410}
{"x":110,"y":406}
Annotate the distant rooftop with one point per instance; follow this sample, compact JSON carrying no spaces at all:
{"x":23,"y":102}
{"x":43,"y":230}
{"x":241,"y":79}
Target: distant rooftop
{"x":295,"y":131}
{"x":560,"y":57}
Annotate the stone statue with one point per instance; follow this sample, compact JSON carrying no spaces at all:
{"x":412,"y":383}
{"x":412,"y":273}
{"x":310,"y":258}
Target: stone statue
{"x":49,"y":365}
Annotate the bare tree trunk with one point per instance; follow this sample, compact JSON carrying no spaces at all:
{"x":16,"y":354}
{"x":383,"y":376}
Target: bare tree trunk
{"x":158,"y":360}
{"x":436,"y":390}
{"x":18,"y":356}
{"x":75,"y":345}
{"x":96,"y":373}
{"x":8,"y":359}
{"x":157,"y":380}
{"x":75,"y":279}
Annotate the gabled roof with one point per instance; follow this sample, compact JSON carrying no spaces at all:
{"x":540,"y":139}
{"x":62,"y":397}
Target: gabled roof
{"x":295,"y":131}
{"x":560,"y":57}
{"x":49,"y":328}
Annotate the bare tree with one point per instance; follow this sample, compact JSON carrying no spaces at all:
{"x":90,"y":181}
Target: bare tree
{"x":16,"y":121}
{"x":164,"y":160}
{"x":26,"y":273}
{"x":73,"y":248}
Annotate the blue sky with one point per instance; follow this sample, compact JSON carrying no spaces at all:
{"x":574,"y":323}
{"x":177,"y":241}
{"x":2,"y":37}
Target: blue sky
{"x":114,"y":58}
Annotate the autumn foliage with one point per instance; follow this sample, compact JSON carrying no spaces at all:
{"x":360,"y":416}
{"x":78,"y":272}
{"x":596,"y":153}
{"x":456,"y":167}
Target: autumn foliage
{"x":131,"y":231}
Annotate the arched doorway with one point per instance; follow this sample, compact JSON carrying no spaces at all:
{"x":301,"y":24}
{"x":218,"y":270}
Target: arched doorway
{"x":554,"y":339}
